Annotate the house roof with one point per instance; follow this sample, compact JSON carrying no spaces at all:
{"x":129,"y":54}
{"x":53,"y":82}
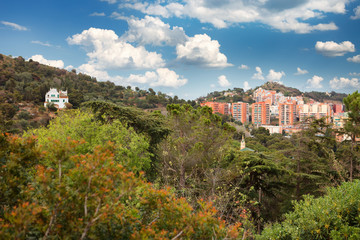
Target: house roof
{"x":247,"y":149}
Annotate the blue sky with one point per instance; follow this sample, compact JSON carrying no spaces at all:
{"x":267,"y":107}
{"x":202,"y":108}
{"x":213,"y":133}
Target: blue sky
{"x":191,"y":47}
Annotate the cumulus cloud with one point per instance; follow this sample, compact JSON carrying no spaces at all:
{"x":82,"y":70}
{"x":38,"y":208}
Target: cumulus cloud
{"x":339,"y":83}
{"x":151,"y":30}
{"x":161,"y":77}
{"x":282,"y":15}
{"x":14,"y":26}
{"x":333,"y":49}
{"x":258,"y":74}
{"x":275,"y":76}
{"x":223,"y":82}
{"x":243,"y":67}
{"x":315,"y":82}
{"x":355,"y":59}
{"x":246,"y":86}
{"x":107,"y":51}
{"x":100,"y":75}
{"x":54,"y":63}
{"x":171,"y":9}
{"x":69,"y":67}
{"x":356,"y":13}
{"x":97,"y":14}
{"x":301,"y":71}
{"x":201,"y":50}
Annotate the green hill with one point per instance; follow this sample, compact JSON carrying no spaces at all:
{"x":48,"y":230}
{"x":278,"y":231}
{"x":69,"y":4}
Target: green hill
{"x":23,"y":85}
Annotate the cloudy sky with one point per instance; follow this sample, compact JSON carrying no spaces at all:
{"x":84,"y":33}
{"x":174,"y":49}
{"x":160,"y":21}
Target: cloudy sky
{"x":191,"y":47}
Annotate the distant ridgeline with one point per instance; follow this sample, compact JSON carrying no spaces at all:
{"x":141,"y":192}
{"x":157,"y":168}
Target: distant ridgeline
{"x":239,"y":95}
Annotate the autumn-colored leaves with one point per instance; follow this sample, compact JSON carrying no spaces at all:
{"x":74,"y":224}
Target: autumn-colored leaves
{"x":71,"y":194}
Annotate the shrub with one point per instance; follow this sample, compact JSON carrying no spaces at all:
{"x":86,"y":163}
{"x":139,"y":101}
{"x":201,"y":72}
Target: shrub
{"x":334,"y":216}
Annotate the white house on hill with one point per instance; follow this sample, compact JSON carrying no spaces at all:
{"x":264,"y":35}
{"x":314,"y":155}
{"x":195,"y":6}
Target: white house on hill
{"x":57,"y":98}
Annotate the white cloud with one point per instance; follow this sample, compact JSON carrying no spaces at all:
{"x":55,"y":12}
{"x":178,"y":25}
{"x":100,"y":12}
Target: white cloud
{"x":14,"y":26}
{"x":100,"y":75}
{"x":356,"y":13}
{"x":46,"y":44}
{"x":275,"y":76}
{"x":283,"y":15}
{"x":223,"y":82}
{"x":165,"y":11}
{"x":151,"y":30}
{"x":69,"y":67}
{"x":355,"y":59}
{"x":109,"y":1}
{"x":119,"y":16}
{"x":54,"y":63}
{"x":243,"y":67}
{"x":339,"y":83}
{"x":201,"y":50}
{"x":314,"y":82}
{"x":246,"y":86}
{"x":258,"y":74}
{"x":301,"y":71}
{"x":333,"y":49}
{"x":107,"y":51}
{"x":162,"y":77}
{"x":354,"y":74}
{"x":97,"y":14}
{"x":212,"y":85}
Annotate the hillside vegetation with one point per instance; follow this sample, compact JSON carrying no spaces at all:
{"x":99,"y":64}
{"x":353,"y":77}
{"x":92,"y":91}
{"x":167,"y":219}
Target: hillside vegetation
{"x":23,"y":85}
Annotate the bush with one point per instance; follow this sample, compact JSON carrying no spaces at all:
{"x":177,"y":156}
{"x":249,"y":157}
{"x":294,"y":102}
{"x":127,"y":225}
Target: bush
{"x":51,"y":107}
{"x":24,"y":115}
{"x":334,"y":216}
{"x":42,"y":109}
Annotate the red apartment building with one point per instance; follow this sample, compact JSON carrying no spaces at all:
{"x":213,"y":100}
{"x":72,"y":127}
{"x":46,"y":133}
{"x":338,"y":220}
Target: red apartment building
{"x":287,"y":113}
{"x":260,"y":113}
{"x":240,"y":111}
{"x":217,"y":107}
{"x":338,"y":108}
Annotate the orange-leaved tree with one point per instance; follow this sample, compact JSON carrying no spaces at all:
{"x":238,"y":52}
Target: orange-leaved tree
{"x":92,"y":196}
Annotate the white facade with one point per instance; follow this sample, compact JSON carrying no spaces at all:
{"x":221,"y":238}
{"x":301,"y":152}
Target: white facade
{"x":317,"y":110}
{"x":273,"y":129}
{"x":274,"y":110}
{"x":57,"y":98}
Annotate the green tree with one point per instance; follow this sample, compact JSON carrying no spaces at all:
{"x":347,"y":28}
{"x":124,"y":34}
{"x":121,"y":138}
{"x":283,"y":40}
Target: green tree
{"x":334,"y":216}
{"x":132,"y":148}
{"x":191,"y":155}
{"x":352,"y":126}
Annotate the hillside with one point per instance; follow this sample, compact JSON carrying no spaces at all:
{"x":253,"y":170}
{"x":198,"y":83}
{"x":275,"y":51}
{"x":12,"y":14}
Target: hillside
{"x":238,"y":94}
{"x":24,"y":83}
{"x":287,"y":91}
